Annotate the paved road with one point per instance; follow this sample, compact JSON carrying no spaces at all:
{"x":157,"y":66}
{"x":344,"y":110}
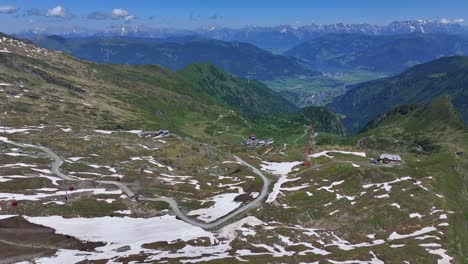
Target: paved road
{"x":57,"y":161}
{"x":257,"y":202}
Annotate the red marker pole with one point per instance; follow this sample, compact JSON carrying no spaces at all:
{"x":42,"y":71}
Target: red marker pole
{"x":14,"y":204}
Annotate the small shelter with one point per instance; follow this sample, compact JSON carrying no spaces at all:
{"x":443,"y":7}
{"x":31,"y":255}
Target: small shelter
{"x":390,"y":159}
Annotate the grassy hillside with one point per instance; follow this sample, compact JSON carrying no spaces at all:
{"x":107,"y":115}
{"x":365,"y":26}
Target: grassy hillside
{"x":429,"y":135}
{"x":378,"y":53}
{"x":247,"y":96}
{"x":437,"y":114}
{"x":322,"y":119}
{"x":240,"y":59}
{"x":422,"y":83}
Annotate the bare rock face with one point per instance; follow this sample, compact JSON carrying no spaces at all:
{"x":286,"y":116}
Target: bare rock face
{"x":123,"y":249}
{"x":23,"y":238}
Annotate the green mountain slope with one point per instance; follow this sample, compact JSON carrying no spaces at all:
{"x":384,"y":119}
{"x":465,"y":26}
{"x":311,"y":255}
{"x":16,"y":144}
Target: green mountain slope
{"x":321,"y":118}
{"x":240,"y":59}
{"x":422,"y":83}
{"x":436,"y":115}
{"x":429,"y":136}
{"x":247,"y":96}
{"x":378,"y":53}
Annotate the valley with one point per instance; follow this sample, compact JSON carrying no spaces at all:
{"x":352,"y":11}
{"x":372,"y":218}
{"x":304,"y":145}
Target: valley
{"x":319,"y":90}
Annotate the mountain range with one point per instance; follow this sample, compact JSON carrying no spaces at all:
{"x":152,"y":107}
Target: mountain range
{"x":240,"y":59}
{"x":273,"y":38}
{"x":381,"y":53}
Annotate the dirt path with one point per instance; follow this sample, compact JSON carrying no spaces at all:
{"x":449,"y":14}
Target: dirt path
{"x":303,"y":135}
{"x":27,"y":245}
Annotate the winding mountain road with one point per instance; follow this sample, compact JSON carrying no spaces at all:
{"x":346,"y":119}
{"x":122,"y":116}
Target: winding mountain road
{"x":257,"y":202}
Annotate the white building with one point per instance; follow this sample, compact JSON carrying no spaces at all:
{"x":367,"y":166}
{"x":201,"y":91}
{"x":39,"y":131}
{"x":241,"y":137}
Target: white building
{"x":390,"y":159}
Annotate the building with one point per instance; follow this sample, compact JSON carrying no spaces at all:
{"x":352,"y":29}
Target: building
{"x":390,"y":159}
{"x":253,"y":141}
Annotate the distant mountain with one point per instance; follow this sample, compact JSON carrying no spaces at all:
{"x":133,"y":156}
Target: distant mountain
{"x":383,"y":53}
{"x":277,"y":38}
{"x":240,"y":59}
{"x":422,"y":83}
{"x":65,"y":31}
{"x":285,"y":37}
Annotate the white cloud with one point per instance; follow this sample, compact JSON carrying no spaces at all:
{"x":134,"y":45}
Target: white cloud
{"x":58,"y":11}
{"x":454,"y":21}
{"x":118,"y":13}
{"x":129,"y":18}
{"x":7,"y":9}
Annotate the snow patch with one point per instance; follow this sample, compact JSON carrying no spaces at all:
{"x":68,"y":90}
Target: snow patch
{"x":325,"y":153}
{"x":281,"y":169}
{"x":425,"y":230}
{"x":223,"y":204}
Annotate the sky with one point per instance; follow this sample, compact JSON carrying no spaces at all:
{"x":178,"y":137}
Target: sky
{"x":21,"y":15}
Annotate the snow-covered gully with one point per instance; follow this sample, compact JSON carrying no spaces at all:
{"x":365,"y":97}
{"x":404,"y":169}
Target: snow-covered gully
{"x":57,"y":162}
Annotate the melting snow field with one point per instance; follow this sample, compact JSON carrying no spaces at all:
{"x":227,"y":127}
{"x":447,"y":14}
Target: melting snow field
{"x":223,"y":204}
{"x":325,"y":153}
{"x":135,"y":232}
{"x":281,"y":169}
{"x":117,"y":232}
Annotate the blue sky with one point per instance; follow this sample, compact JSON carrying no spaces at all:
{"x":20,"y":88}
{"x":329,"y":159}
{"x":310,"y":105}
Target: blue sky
{"x":19,"y":15}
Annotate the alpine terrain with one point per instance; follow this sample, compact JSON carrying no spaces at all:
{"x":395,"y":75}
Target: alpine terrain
{"x":196,"y":139}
